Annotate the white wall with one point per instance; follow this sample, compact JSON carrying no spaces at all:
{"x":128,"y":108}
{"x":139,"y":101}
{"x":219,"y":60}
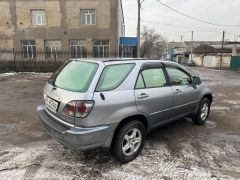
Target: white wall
{"x":212,"y":61}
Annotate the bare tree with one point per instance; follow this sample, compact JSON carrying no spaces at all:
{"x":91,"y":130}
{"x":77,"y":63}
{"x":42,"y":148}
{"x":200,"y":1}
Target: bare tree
{"x":153,"y":44}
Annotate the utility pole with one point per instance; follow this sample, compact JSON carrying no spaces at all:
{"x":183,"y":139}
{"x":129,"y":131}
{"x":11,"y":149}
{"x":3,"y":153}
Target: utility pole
{"x":220,"y":66}
{"x":138,"y":27}
{"x":182,"y":38}
{"x":192,"y":46}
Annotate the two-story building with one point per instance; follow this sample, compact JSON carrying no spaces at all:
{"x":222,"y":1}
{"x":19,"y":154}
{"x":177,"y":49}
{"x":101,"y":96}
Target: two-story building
{"x":85,"y":28}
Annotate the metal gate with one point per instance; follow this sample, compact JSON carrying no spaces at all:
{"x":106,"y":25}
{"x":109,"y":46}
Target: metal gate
{"x":235,"y":63}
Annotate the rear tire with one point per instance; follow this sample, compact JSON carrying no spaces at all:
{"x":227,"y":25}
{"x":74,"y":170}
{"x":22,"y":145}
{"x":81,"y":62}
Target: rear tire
{"x":129,"y":141}
{"x":203,"y":112}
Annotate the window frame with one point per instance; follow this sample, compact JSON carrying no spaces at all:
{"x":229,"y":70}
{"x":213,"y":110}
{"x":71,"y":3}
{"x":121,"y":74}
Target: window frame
{"x":180,"y":69}
{"x":38,"y":10}
{"x":147,"y":66}
{"x":55,"y":49}
{"x":81,"y":47}
{"x":90,"y":15}
{"x":33,"y":48}
{"x":134,"y":64}
{"x":99,"y":46}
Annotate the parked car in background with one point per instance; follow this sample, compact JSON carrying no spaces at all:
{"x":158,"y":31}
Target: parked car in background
{"x":188,"y":63}
{"x":115,"y":103}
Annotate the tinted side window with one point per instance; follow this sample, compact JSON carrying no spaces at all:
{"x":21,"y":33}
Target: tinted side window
{"x":113,"y":76}
{"x":140,"y":82}
{"x":178,"y":77}
{"x":152,"y":78}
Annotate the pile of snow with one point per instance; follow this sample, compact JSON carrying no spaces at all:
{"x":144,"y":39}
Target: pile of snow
{"x":34,"y":73}
{"x":8,"y":74}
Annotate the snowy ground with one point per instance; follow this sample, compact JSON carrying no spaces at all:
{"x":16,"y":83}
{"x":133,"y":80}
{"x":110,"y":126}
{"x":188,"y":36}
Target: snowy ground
{"x":179,"y":150}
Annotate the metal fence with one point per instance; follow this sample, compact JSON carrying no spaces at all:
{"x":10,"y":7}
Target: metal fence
{"x":39,"y":61}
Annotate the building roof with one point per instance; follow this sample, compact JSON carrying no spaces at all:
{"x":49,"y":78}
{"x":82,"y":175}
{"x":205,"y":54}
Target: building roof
{"x":213,"y":49}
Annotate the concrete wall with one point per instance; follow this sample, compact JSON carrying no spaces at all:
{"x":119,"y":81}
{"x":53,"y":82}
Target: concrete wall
{"x":212,"y":61}
{"x":6,"y":26}
{"x":197,"y":60}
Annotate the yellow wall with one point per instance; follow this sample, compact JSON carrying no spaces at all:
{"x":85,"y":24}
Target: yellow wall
{"x":102,"y":13}
{"x":24,"y":14}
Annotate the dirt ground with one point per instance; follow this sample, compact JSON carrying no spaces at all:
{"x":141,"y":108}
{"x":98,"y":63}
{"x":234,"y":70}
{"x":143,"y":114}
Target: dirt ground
{"x":180,"y":150}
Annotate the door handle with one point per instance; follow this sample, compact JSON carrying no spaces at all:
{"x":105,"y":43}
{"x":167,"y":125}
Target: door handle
{"x":177,"y":91}
{"x":142,"y":96}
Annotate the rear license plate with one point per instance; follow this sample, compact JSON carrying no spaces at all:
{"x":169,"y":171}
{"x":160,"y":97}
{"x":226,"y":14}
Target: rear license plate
{"x":51,"y":104}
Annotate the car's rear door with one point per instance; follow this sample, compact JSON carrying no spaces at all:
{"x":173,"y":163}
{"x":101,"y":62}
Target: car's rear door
{"x":154,"y":96}
{"x":185,"y":94}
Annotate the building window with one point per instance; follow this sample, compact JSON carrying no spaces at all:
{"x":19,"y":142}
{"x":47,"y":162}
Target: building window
{"x":88,"y":16}
{"x":38,"y":17}
{"x":78,"y":48}
{"x":101,"y":48}
{"x":52,"y":48}
{"x":29,"y":49}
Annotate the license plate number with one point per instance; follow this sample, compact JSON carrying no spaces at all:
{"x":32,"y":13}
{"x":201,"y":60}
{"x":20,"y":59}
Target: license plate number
{"x":51,"y":104}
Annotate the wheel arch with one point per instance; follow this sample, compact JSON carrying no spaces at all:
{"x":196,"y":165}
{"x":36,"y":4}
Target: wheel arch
{"x":208,"y":96}
{"x":140,"y":117}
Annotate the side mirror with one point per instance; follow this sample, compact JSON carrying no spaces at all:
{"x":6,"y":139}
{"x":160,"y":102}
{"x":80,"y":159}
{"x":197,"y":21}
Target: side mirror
{"x":197,"y":80}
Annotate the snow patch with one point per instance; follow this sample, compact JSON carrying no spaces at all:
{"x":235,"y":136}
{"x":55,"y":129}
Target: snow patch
{"x":234,"y":102}
{"x":8,"y":74}
{"x":220,"y":108}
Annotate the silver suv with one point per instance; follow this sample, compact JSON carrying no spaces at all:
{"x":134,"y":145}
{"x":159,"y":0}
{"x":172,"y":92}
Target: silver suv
{"x":114,"y":103}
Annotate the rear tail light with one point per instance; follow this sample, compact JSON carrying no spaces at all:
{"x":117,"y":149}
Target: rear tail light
{"x":79,"y":109}
{"x":69,"y":109}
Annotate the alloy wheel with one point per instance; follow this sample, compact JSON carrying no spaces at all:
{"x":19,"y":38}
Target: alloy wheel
{"x":204,"y":111}
{"x":131,"y":141}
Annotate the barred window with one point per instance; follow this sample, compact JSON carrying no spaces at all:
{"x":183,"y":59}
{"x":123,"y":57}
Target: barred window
{"x":101,"y":48}
{"x":29,"y":49}
{"x":38,"y":17}
{"x":78,"y":48}
{"x":88,"y":16}
{"x":52,"y":48}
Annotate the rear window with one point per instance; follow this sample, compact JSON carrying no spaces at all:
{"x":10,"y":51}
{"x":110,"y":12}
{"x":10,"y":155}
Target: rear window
{"x":113,"y":76}
{"x":75,"y":76}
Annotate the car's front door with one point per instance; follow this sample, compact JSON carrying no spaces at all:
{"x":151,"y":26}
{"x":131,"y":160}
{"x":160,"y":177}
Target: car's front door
{"x":185,"y":94}
{"x":154,"y":96}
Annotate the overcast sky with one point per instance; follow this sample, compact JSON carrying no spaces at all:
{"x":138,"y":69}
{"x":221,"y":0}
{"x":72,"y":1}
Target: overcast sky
{"x":173,"y":25}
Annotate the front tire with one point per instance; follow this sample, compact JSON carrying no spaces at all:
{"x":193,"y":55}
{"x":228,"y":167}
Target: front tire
{"x":203,"y":112}
{"x":129,"y":141}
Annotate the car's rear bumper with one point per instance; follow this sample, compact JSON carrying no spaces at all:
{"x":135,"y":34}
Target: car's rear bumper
{"x":77,"y":138}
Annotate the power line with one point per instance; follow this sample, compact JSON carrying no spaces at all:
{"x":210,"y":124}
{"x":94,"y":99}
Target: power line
{"x":185,"y":27}
{"x":196,"y":19}
{"x":179,"y":21}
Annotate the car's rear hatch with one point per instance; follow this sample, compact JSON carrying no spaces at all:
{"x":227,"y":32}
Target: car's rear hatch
{"x":71,"y":82}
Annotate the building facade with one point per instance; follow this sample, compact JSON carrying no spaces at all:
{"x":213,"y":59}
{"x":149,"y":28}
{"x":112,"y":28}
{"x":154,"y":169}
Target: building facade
{"x":85,"y":28}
